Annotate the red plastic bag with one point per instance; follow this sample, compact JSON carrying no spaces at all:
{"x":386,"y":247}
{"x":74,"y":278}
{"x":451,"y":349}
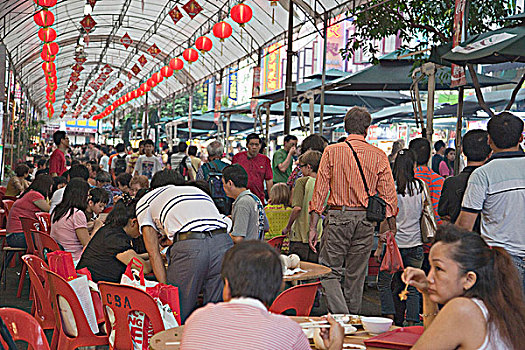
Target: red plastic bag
{"x":392,"y":261}
{"x":61,"y":263}
{"x":168,"y":295}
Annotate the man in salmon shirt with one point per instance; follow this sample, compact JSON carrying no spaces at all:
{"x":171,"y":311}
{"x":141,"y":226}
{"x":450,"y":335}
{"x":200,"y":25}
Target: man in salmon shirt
{"x":57,"y":161}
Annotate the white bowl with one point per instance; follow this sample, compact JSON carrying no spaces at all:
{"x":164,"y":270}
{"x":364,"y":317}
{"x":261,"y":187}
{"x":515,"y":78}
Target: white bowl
{"x":376,"y":325}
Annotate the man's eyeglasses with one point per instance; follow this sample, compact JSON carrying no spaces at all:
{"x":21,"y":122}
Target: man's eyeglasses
{"x":302,"y":165}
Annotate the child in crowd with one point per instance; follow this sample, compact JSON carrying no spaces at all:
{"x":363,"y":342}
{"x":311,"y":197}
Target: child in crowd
{"x":18,"y":183}
{"x":298,"y":227}
{"x":278,"y":209}
{"x":110,"y":249}
{"x":137,"y":183}
{"x":68,"y":221}
{"x":122,"y":181}
{"x":98,"y":198}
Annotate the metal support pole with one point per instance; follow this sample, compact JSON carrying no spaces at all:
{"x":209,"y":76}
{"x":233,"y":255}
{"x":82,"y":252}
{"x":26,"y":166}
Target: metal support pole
{"x":145,"y":126}
{"x":430,"y":102}
{"x":312,"y":111}
{"x":190,"y":111}
{"x":459,"y":126}
{"x":228,"y":131}
{"x":289,"y":58}
{"x":323,"y":78}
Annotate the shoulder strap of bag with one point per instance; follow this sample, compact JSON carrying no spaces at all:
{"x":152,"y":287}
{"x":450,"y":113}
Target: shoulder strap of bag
{"x":360,"y":168}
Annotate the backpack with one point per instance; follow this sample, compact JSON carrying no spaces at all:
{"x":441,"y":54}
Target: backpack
{"x":222,"y":202}
{"x":183,"y":168}
{"x":120,"y":164}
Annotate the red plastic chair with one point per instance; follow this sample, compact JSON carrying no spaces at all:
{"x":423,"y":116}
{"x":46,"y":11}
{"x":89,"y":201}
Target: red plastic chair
{"x":122,"y":300}
{"x":85,"y":337}
{"x":299,"y":298}
{"x":45,"y":221}
{"x":43,"y":311}
{"x":44,"y":243}
{"x":28,"y":225}
{"x":22,"y":326}
{"x":277,"y":242}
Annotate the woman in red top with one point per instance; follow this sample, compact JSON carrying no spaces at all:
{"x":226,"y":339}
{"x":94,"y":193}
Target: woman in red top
{"x":32,"y":201}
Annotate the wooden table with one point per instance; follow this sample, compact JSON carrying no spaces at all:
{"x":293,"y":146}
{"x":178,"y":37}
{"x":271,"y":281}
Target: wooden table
{"x":170,"y":339}
{"x":313,"y":271}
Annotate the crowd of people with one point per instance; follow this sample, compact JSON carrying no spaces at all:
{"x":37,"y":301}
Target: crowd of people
{"x":199,"y":223}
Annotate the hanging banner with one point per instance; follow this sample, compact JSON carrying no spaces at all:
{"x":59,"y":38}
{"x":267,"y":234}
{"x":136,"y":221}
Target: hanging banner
{"x":232,"y":86}
{"x":458,"y":72}
{"x":256,"y":88}
{"x":217,"y":114}
{"x":272,"y":68}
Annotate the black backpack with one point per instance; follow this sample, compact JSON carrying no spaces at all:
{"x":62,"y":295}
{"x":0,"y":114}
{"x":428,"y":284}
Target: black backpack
{"x":222,"y":202}
{"x":120,"y":164}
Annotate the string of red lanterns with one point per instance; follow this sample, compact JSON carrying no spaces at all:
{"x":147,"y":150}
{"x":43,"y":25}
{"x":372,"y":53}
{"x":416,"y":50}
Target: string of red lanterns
{"x":45,"y":19}
{"x":240,"y":13}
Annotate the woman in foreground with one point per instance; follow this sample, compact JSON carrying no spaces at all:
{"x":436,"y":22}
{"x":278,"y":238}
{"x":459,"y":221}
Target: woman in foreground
{"x":481,"y":291}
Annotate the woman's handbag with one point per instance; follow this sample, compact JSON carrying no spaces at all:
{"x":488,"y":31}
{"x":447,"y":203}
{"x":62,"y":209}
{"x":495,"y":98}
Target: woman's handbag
{"x":428,"y":220}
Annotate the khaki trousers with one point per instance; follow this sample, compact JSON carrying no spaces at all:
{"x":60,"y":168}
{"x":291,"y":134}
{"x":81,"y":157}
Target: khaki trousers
{"x":347,"y":239}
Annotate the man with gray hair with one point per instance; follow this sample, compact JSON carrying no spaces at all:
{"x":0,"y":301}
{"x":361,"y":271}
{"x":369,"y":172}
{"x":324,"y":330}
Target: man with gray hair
{"x":350,"y":173}
{"x":211,"y":172}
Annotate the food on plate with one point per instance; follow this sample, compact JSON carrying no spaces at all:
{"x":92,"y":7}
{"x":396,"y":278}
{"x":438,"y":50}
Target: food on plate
{"x":293,"y":261}
{"x":355,"y":320}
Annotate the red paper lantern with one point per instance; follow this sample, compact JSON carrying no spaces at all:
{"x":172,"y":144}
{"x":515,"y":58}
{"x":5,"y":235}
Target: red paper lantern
{"x":166,"y":71}
{"x":47,"y":34}
{"x":48,"y":67}
{"x":222,"y":30}
{"x":44,"y":18}
{"x":203,"y":44}
{"x":190,"y":55}
{"x":151,"y":83}
{"x":46,"y":3}
{"x":176,"y":63}
{"x":145,"y":87}
{"x":50,"y":48}
{"x":157,"y":77}
{"x":51,"y":98}
{"x":241,"y":14}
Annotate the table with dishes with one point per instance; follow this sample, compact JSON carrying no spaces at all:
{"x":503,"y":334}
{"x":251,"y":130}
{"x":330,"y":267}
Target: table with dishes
{"x":354,"y":339}
{"x":307,"y":271}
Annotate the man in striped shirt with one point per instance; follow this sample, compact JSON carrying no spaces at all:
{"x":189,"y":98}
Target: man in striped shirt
{"x":252,"y":276}
{"x":348,"y":236}
{"x":188,"y":217}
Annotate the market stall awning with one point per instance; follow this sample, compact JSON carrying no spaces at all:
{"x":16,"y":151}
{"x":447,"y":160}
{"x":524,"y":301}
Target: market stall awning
{"x":396,"y":75}
{"x":497,"y":46}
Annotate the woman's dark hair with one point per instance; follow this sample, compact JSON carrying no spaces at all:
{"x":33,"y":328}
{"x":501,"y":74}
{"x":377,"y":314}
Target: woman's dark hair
{"x":42,"y":184}
{"x":253,"y":270}
{"x":404,"y":173}
{"x":21,"y":170}
{"x":192,"y":150}
{"x":450,"y":163}
{"x":122,"y":212}
{"x":58,"y":180}
{"x":498,"y":283}
{"x":75,"y":197}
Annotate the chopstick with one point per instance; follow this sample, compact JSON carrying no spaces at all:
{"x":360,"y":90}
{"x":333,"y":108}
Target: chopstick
{"x":316,"y":326}
{"x":172,"y":343}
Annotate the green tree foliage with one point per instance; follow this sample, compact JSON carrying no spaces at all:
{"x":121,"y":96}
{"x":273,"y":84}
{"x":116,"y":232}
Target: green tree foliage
{"x":429,"y":21}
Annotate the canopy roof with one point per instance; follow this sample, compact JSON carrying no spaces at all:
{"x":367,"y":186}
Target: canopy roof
{"x":397,"y":76}
{"x":147,"y":22}
{"x":497,"y":46}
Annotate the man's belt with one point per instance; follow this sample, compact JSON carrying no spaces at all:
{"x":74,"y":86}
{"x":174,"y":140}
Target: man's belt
{"x":198,"y":235}
{"x":345,"y":208}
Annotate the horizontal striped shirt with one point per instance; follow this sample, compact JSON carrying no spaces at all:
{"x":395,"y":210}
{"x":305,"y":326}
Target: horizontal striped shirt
{"x":338,"y":174}
{"x":180,"y":209}
{"x":434,"y":183}
{"x":242,"y":323}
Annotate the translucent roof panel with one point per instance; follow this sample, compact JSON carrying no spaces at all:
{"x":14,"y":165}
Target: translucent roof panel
{"x":147,"y":22}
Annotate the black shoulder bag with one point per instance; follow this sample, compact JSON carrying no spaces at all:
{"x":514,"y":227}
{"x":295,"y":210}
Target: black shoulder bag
{"x":376,"y":209}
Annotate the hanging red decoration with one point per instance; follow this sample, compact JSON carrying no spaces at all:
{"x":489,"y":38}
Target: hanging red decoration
{"x":135,"y":69}
{"x":154,"y":50}
{"x":241,"y":14}
{"x":46,"y":56}
{"x":46,"y":3}
{"x":190,"y":55}
{"x":151,"y":83}
{"x":126,"y":40}
{"x":166,"y":71}
{"x":222,"y":30}
{"x":203,"y":44}
{"x":143,"y":60}
{"x":50,"y":48}
{"x":88,"y":23}
{"x":157,"y":77}
{"x":175,"y":14}
{"x":192,"y":8}
{"x":44,"y":18}
{"x":48,"y":67}
{"x":47,"y":34}
{"x":176,"y":63}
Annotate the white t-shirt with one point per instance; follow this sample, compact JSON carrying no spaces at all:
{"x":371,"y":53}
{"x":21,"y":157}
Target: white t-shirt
{"x":407,"y":220}
{"x":104,"y":163}
{"x":56,"y":198}
{"x":180,"y":209}
{"x":148,"y":166}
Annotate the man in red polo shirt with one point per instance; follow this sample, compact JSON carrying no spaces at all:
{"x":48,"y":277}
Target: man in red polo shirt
{"x":257,"y":166}
{"x":57,"y":161}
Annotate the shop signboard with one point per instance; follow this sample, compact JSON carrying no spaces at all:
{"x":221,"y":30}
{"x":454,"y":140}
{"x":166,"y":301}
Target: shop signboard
{"x":336,"y":41}
{"x":272,"y":68}
{"x":82,"y":126}
{"x":256,"y":88}
{"x":217,"y":114}
{"x":458,"y":73}
{"x":232,"y":85}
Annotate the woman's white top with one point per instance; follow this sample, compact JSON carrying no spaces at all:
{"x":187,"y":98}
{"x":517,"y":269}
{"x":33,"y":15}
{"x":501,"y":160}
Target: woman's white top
{"x":407,"y":220}
{"x":493,"y":339}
